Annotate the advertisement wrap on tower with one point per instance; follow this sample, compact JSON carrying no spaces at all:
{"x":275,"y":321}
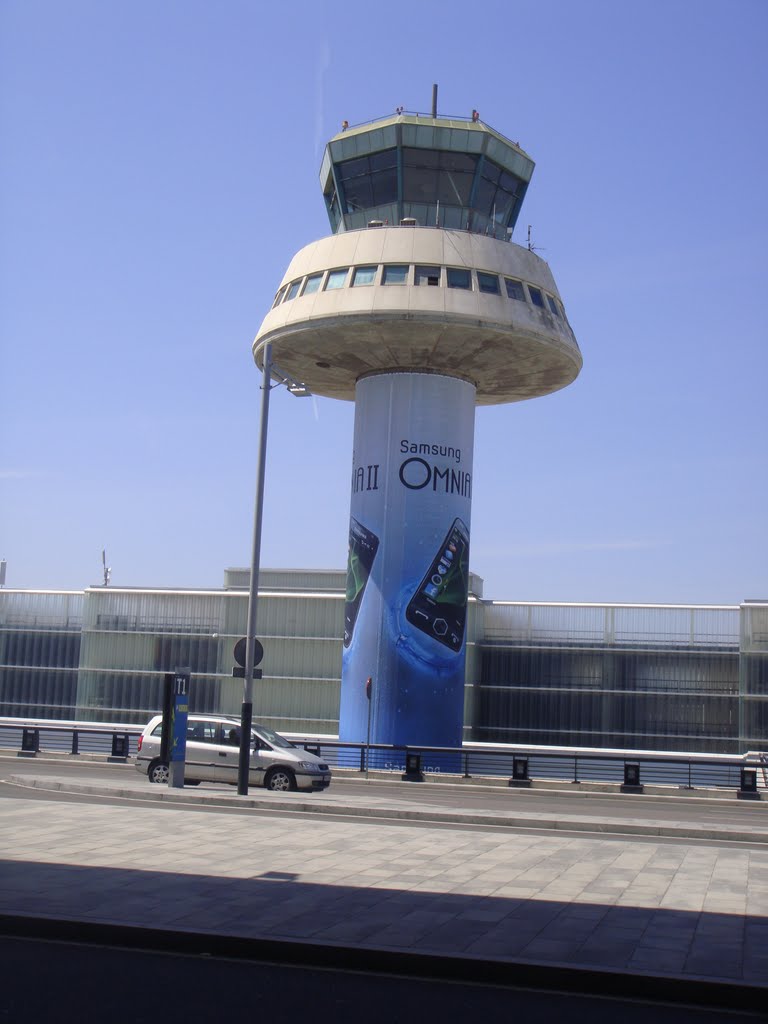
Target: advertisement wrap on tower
{"x":408,"y":568}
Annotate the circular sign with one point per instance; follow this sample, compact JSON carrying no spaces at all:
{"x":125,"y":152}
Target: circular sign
{"x":240,"y":649}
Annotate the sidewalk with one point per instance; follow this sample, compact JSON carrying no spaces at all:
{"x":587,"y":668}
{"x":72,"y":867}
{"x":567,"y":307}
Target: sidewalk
{"x":647,"y":910}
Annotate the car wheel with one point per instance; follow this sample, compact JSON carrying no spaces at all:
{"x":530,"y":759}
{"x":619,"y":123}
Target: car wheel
{"x":280,"y":780}
{"x":159,"y":772}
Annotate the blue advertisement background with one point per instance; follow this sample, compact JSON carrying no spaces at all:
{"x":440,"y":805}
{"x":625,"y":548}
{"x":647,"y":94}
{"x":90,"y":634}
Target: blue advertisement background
{"x":409,"y":560}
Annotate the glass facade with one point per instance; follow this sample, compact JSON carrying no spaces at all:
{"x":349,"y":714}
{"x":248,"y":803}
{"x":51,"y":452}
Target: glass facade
{"x":613,"y":676}
{"x":753,"y":674}
{"x":630,"y":677}
{"x":441,"y":174}
{"x":40,"y":639}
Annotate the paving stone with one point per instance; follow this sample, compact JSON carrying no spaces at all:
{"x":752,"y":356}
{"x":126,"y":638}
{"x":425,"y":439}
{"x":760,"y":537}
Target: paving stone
{"x":624,"y":903}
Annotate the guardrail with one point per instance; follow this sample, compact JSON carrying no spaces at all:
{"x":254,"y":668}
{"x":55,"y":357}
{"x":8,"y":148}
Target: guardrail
{"x":30,"y":737}
{"x":748,"y":774}
{"x":521,"y":767}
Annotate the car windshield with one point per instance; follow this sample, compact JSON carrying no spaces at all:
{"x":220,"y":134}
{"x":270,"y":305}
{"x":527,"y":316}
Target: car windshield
{"x":272,"y":737}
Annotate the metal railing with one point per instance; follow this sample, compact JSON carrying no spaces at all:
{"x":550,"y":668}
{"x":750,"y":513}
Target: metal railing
{"x":521,"y":766}
{"x":33,"y":736}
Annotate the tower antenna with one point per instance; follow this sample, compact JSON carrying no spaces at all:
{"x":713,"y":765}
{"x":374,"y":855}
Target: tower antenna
{"x":107,"y":569}
{"x":531,"y":246}
{"x":434,"y":101}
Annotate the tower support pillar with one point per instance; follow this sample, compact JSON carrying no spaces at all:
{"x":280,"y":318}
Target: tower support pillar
{"x":408,"y":570}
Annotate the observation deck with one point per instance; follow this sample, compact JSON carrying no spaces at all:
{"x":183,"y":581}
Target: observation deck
{"x":420,"y":274}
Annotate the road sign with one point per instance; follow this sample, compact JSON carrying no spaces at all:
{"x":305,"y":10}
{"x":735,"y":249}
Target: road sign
{"x":240,"y":647}
{"x":238,"y":672}
{"x":179,"y":712}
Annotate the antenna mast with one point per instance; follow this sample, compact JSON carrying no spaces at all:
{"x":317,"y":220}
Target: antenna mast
{"x":107,"y":569}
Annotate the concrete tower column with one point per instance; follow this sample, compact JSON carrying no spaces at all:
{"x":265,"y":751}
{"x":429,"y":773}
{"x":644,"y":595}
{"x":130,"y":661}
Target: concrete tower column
{"x":408,"y":574}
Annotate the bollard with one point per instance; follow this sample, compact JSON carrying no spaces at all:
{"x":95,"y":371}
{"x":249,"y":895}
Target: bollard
{"x":120,"y":747}
{"x":519,"y":772}
{"x":631,"y":778}
{"x":748,"y":785}
{"x":413,"y":772}
{"x":30,"y":743}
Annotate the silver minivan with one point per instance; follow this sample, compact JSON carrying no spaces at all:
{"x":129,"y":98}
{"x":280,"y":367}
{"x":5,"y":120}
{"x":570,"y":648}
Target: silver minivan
{"x":213,"y":755}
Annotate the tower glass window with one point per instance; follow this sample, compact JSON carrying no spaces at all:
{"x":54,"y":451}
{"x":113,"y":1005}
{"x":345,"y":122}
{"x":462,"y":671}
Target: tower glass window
{"x":363,"y":276}
{"x":553,"y":305}
{"x":430,"y":175}
{"x":514,"y":289}
{"x":427,"y":276}
{"x":368,"y":181}
{"x":395,"y":273}
{"x":293,"y":290}
{"x":312,"y":284}
{"x":336,"y":279}
{"x":536,"y":296}
{"x":458,"y":277}
{"x":488,"y":283}
{"x":497,"y":194}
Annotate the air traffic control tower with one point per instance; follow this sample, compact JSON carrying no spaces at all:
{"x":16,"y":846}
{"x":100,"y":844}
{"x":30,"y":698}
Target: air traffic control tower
{"x":418,"y":308}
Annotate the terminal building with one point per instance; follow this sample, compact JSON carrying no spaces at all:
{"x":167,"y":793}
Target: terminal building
{"x":642,"y":677}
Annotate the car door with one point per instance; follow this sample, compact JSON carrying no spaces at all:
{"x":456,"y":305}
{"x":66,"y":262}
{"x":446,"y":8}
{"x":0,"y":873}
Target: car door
{"x":200,"y":754}
{"x":228,"y":757}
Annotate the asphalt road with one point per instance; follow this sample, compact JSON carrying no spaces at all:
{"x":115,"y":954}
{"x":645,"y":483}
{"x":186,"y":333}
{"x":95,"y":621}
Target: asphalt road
{"x":679,"y":809}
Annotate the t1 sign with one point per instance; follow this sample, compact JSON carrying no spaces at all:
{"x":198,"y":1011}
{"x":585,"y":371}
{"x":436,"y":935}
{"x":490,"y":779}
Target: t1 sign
{"x":177,"y":747}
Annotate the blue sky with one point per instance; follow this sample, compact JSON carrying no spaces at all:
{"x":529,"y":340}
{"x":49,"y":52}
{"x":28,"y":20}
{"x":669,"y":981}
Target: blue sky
{"x":160,"y":168}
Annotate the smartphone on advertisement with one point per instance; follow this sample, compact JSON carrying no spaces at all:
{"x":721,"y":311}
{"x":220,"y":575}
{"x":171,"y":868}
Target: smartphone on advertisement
{"x":363,"y":546}
{"x":439,"y":606}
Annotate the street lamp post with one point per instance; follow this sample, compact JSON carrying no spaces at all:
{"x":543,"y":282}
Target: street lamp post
{"x":246,"y":713}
